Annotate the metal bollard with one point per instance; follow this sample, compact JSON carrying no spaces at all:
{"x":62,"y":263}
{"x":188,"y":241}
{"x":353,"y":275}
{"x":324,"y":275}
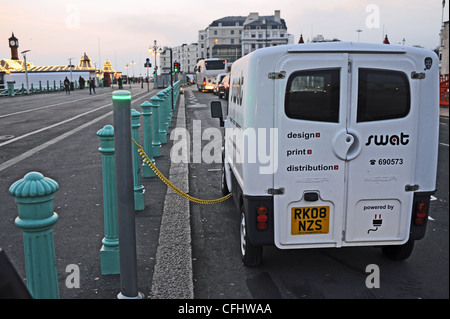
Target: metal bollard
{"x":109,"y":253}
{"x":139,"y":203}
{"x":162,"y":117}
{"x":125,"y":195}
{"x":147,"y":115}
{"x":155,"y":126}
{"x":167,"y":108}
{"x":34,"y":197}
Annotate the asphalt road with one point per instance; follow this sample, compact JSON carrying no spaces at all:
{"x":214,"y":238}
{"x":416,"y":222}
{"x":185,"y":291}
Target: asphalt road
{"x":310,"y":273}
{"x":55,"y":134}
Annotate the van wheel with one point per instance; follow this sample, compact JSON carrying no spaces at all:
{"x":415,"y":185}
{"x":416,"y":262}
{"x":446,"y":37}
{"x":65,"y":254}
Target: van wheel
{"x":251,"y":255}
{"x":223,"y":183}
{"x":399,"y":252}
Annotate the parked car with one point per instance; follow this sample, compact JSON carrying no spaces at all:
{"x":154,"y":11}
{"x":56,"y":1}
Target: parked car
{"x":217,"y":82}
{"x":224,"y":87}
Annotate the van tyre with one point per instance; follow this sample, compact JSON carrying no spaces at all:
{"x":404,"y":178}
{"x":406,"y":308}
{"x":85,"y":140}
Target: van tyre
{"x":223,"y":182}
{"x":251,"y":255}
{"x":399,"y":252}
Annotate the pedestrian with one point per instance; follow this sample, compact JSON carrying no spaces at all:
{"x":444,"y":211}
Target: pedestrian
{"x":81,"y":80}
{"x":67,"y":85}
{"x":91,"y":85}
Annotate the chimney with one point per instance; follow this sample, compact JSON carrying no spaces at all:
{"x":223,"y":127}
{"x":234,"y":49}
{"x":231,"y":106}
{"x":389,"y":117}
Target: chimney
{"x":253,"y":16}
{"x":276,"y":16}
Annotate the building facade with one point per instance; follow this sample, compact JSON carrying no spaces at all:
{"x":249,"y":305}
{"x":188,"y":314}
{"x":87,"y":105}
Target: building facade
{"x":263,"y":31}
{"x":231,"y":38}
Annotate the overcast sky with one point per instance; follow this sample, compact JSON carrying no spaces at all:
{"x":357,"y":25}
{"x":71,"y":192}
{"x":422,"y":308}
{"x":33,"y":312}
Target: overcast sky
{"x":122,"y":31}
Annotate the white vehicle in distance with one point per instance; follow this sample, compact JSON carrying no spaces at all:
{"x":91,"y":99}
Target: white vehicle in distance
{"x":207,"y":70}
{"x":217,"y":82}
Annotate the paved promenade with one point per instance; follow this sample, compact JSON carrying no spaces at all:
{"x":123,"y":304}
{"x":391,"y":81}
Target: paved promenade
{"x":73,"y":160}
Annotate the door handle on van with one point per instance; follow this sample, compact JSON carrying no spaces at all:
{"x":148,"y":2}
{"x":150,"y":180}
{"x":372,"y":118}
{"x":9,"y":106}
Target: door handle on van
{"x":346,"y":144}
{"x":356,"y":146}
{"x":311,"y":196}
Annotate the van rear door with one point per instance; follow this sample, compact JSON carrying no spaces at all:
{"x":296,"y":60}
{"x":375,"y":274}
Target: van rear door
{"x":380,"y":167}
{"x":347,"y":126}
{"x":310,"y":114}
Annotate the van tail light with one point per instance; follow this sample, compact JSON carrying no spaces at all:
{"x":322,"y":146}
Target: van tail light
{"x":204,"y":81}
{"x":262,"y":218}
{"x":421,"y":213}
{"x":228,"y":85}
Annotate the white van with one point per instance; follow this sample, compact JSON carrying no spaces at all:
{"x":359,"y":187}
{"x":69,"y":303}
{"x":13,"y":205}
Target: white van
{"x":207,"y":70}
{"x":332,"y":145}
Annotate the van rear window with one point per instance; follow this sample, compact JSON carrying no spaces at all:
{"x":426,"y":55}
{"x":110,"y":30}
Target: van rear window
{"x":313,"y":95}
{"x":215,"y":65}
{"x":382,"y":95}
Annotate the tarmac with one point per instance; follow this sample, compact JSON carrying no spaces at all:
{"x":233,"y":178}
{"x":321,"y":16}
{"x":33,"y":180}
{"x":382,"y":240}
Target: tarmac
{"x":163,"y":233}
{"x":444,"y":111}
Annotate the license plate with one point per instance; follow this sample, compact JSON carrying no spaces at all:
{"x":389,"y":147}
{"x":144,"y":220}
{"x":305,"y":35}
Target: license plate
{"x":310,"y":220}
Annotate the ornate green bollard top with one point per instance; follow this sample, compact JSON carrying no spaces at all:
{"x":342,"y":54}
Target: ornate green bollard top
{"x":34,"y":188}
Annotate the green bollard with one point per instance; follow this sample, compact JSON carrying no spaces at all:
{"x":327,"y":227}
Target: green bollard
{"x":48,"y":86}
{"x":34,"y":197}
{"x":155,"y":126}
{"x":148,"y":149}
{"x":162,"y":117}
{"x":40,"y":86}
{"x":167,"y":110}
{"x":171,"y":98}
{"x":109,"y":253}
{"x":139,"y":203}
{"x":11,"y":88}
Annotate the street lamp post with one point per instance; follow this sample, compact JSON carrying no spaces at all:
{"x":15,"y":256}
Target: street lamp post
{"x":155,"y":50}
{"x":359,"y":31}
{"x":132,"y":64}
{"x":26,"y":69}
{"x":70,"y":68}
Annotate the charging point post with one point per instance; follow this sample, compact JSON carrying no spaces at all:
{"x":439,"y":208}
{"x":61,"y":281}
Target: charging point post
{"x":125,"y":195}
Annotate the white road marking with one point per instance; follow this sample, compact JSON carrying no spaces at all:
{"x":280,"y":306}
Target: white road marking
{"x":38,"y":148}
{"x":54,"y":125}
{"x":46,"y":106}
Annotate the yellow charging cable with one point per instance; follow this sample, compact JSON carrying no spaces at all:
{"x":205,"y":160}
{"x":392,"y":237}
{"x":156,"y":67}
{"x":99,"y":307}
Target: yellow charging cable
{"x":173,"y":187}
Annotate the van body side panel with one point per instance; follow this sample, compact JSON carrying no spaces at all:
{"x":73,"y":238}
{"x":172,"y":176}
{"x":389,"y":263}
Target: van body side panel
{"x":428,"y":130}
